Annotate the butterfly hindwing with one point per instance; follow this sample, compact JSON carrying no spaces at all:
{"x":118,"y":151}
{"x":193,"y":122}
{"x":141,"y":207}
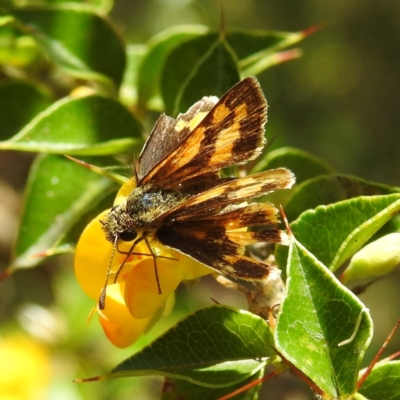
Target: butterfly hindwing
{"x":219,"y":240}
{"x":216,"y":250}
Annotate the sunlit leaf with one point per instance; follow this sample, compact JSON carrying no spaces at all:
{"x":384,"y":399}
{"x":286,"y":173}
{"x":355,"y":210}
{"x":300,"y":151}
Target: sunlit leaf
{"x":383,"y":382}
{"x":59,"y":192}
{"x":328,"y":189}
{"x":182,"y":389}
{"x":76,"y":39}
{"x":92,"y":125}
{"x":316,"y":316}
{"x":214,"y":347}
{"x":335,"y":232}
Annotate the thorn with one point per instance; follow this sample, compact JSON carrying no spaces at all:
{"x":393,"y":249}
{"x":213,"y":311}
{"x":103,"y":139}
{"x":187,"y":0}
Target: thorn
{"x":5,"y":274}
{"x":376,"y":358}
{"x":290,"y":233}
{"x":96,"y":378}
{"x":288,"y":55}
{"x":41,"y":254}
{"x":80,"y":162}
{"x":312,"y":29}
{"x":359,"y":289}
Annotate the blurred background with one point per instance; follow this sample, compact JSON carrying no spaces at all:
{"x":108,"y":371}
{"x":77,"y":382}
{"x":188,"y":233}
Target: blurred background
{"x":340,"y":101}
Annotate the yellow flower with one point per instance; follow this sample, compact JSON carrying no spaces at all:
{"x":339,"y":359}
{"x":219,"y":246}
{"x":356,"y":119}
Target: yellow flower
{"x":25,"y":369}
{"x":133,"y":303}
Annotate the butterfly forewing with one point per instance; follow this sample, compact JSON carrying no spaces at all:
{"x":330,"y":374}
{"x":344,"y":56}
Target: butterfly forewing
{"x":211,"y":201}
{"x":168,"y":133}
{"x":231,"y":133}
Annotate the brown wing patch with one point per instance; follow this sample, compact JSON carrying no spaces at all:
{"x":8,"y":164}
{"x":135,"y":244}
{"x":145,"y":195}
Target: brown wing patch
{"x":216,"y":250}
{"x":265,"y":235}
{"x":255,"y":214}
{"x":169,"y":132}
{"x":234,"y":191}
{"x":231,"y":133}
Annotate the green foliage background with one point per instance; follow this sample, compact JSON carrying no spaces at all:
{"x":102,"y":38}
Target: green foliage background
{"x":339,"y":101}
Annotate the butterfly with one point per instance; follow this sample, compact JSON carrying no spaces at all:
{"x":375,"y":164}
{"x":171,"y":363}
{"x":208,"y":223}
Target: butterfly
{"x":180,"y":199}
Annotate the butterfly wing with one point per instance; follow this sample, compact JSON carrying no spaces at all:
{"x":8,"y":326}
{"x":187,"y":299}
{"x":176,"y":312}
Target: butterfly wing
{"x":231,"y":133}
{"x":209,"y":203}
{"x":221,"y":249}
{"x":168,"y":133}
{"x":209,"y":227}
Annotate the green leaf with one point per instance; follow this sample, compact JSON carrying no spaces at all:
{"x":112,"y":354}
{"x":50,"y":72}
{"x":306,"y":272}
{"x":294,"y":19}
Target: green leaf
{"x":383,"y":382}
{"x":180,"y":389}
{"x":318,"y":314}
{"x":16,"y":50}
{"x":159,"y":47}
{"x":249,"y":45}
{"x":69,"y":240}
{"x":303,"y":164}
{"x":128,"y":90}
{"x":76,"y":39}
{"x":258,"y":51}
{"x":208,"y":65}
{"x":335,"y":232}
{"x":19,"y":103}
{"x":107,"y":167}
{"x":214,"y":347}
{"x":202,"y":66}
{"x":58,"y":193}
{"x":92,"y":125}
{"x":330,"y":189}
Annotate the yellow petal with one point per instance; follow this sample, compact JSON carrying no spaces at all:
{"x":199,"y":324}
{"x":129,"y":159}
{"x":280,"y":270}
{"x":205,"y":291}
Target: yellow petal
{"x":118,"y":324}
{"x":192,"y":269}
{"x":93,"y":255}
{"x":142,"y":296}
{"x":125,"y":190}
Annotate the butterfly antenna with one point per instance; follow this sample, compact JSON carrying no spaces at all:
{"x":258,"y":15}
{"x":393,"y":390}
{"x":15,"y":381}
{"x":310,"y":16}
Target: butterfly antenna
{"x":102,"y":298}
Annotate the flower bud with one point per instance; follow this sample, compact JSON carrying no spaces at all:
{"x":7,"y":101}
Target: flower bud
{"x":376,"y":259}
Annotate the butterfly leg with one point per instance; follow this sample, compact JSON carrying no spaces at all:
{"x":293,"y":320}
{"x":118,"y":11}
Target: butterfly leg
{"x":154,"y":260}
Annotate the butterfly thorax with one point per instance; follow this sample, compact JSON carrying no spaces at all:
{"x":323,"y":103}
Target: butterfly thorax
{"x":142,"y":211}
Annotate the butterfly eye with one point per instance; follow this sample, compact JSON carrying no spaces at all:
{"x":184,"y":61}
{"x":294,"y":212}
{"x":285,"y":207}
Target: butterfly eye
{"x":127,"y":236}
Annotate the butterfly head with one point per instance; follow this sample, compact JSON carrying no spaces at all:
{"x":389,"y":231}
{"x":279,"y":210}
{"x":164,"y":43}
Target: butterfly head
{"x":119,"y":225}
